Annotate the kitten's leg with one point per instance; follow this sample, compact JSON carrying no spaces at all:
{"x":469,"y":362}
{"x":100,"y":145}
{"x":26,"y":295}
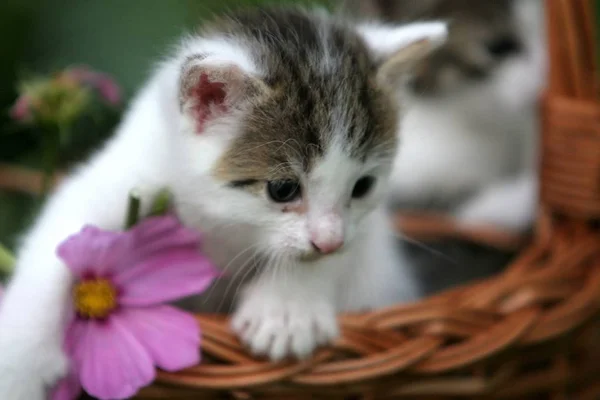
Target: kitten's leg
{"x":288,"y":312}
{"x":292,"y":313}
{"x":509,"y":204}
{"x":32,"y":311}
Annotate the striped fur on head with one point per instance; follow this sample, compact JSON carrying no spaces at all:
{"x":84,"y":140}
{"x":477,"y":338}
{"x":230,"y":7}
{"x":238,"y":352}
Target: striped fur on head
{"x":322,"y":88}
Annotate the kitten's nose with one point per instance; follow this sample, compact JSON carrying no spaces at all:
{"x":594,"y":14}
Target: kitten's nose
{"x":327,"y":246}
{"x":327,"y":232}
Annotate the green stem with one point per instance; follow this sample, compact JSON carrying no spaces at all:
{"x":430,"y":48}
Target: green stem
{"x":133,"y":209}
{"x":161,"y":203}
{"x":7,"y":261}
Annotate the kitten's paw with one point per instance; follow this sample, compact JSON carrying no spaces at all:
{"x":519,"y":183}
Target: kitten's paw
{"x":491,"y":211}
{"x":28,"y":373}
{"x":278,"y":327}
{"x":509,"y":205}
{"x":472,"y":214}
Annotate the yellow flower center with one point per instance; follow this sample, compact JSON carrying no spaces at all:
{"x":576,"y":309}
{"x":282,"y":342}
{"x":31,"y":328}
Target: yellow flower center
{"x":94,"y":298}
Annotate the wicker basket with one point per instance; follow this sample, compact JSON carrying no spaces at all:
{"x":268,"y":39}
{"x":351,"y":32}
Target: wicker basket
{"x":531,"y":332}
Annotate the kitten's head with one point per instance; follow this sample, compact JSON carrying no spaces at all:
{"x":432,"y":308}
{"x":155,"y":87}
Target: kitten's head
{"x":491,"y":46}
{"x":290,"y":125}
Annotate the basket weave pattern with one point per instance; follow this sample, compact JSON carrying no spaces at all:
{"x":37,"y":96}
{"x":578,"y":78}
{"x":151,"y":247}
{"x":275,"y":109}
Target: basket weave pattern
{"x":531,"y":332}
{"x":499,"y":337}
{"x":571,"y":115}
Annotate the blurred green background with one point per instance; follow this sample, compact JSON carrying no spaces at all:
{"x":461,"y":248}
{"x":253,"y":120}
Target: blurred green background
{"x":120,"y":37}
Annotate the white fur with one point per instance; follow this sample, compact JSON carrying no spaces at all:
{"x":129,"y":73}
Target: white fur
{"x":511,"y":203}
{"x":386,"y":40}
{"x":292,"y":302}
{"x":479,"y":138}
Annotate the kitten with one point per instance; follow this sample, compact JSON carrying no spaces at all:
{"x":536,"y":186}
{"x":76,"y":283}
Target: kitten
{"x":276,"y":131}
{"x":469,"y":138}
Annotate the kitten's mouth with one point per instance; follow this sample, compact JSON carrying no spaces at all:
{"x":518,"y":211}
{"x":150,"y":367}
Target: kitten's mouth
{"x":312,"y":255}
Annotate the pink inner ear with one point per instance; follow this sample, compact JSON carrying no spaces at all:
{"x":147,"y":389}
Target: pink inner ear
{"x":209,"y":100}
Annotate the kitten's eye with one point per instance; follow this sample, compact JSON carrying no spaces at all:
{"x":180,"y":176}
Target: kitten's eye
{"x":283,"y":191}
{"x":363,"y":186}
{"x":503,"y":46}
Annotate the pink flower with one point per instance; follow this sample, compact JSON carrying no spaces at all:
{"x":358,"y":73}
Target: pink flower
{"x":21,"y":110}
{"x":80,"y":74}
{"x":106,"y":87}
{"x":121,"y":329}
{"x":109,"y":90}
{"x":63,"y":97}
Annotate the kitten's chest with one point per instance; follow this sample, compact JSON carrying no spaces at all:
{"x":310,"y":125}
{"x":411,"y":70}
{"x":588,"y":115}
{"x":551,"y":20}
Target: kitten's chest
{"x":232,"y":248}
{"x":237,"y":258}
{"x":228,"y":244}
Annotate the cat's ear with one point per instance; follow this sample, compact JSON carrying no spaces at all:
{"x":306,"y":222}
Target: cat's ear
{"x":211,"y":89}
{"x":391,"y":10}
{"x":396,"y":49}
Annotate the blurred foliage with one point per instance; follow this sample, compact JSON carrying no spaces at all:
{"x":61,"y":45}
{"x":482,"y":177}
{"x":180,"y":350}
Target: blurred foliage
{"x":17,"y":20}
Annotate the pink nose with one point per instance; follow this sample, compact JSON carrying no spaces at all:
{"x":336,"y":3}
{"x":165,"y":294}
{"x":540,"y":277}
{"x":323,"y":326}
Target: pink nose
{"x":327,"y":246}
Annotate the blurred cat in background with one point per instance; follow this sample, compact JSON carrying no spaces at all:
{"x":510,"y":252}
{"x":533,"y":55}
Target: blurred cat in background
{"x":469,"y":139}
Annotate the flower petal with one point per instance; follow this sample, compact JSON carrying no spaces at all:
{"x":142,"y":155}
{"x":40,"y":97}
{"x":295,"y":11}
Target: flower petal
{"x":108,"y":89}
{"x":67,"y":388}
{"x":81,"y":74}
{"x":165,"y":277}
{"x":21,"y":111}
{"x":94,"y":251}
{"x":157,"y":234}
{"x":170,"y":336}
{"x":76,"y":331}
{"x":111,"y":363}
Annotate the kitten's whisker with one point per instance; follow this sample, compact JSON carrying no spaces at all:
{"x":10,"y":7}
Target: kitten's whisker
{"x":241,"y":271}
{"x":229,"y":264}
{"x":425,"y":247}
{"x":241,"y":282}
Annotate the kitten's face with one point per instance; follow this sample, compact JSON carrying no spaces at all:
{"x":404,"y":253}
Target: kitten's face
{"x":483,"y":38}
{"x":491,"y":45}
{"x":310,"y":168}
{"x":289,"y":125}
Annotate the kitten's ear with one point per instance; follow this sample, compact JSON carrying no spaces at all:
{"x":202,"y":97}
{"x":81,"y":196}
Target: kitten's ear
{"x":209,"y":90}
{"x":397,"y":49}
{"x":390,"y":10}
